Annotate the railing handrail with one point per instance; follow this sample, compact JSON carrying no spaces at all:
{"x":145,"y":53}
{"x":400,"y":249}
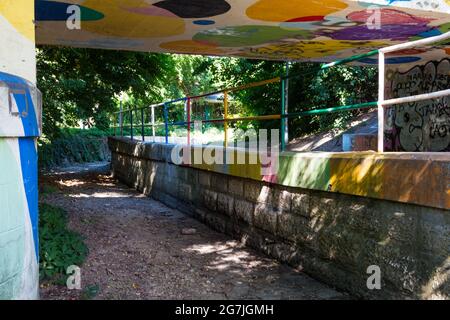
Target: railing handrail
{"x":380,"y":104}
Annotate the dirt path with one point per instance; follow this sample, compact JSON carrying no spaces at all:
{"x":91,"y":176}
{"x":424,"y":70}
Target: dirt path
{"x":137,"y":249}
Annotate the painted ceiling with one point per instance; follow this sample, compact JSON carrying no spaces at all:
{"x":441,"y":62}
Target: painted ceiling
{"x":315,"y":30}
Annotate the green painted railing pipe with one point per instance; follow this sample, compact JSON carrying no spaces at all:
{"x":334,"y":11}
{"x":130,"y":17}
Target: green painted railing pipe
{"x":283,"y":115}
{"x":349,"y":59}
{"x":365,"y":105}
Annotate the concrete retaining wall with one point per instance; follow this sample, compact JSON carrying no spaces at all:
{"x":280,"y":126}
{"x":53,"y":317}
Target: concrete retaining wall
{"x":334,"y":237}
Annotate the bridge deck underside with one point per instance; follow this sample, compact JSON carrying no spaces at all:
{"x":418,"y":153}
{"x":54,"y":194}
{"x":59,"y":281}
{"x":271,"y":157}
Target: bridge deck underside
{"x":304,"y":30}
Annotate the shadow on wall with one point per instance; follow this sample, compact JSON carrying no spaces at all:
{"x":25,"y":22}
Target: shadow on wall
{"x":410,"y":245}
{"x":333,"y":236}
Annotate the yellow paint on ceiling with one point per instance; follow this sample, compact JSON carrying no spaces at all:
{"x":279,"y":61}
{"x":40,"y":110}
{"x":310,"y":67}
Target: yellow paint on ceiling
{"x":284,"y":10}
{"x":240,"y":30}
{"x":189,"y":46}
{"x":20,"y":13}
{"x":312,"y":49}
{"x":144,"y":26}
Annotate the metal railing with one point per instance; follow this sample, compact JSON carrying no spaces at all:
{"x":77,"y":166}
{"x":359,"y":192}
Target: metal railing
{"x":134,"y":128}
{"x":283,"y":115}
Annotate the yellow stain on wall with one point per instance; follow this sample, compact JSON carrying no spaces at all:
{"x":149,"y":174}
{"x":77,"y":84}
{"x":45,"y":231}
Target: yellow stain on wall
{"x":235,"y":169}
{"x":391,"y":178}
{"x":284,"y":10}
{"x":447,"y":201}
{"x":312,"y":49}
{"x":362,"y":177}
{"x":119,"y":22}
{"x":20,"y":13}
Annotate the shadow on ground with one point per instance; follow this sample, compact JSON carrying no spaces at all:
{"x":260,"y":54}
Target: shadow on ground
{"x":138,"y":250}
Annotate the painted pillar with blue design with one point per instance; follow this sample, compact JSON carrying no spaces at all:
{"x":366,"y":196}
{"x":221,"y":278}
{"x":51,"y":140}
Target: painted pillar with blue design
{"x":20,"y":126}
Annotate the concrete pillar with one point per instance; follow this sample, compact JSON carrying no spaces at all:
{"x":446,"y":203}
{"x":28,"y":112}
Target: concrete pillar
{"x":20,"y":119}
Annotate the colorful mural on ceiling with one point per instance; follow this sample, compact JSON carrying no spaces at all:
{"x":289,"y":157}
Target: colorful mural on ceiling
{"x":317,"y":30}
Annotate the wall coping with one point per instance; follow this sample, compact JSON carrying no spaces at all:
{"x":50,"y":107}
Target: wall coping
{"x":415,"y":178}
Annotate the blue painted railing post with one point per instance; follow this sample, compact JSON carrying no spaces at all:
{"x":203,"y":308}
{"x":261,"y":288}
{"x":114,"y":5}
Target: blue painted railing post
{"x":121,"y":119}
{"x":282,"y":112}
{"x":131,"y":123}
{"x":142,"y":125}
{"x":166,"y":121}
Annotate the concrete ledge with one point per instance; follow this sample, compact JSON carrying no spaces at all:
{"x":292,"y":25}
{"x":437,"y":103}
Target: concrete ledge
{"x":417,"y":178}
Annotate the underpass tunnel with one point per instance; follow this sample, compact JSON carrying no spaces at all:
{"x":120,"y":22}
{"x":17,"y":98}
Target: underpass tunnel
{"x":291,"y":30}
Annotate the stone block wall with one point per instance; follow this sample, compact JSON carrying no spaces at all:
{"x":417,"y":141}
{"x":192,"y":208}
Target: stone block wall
{"x":331,"y":236}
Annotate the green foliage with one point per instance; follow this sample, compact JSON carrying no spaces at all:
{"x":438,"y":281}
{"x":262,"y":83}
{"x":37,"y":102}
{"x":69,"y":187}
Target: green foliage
{"x":310,"y":88}
{"x":47,"y":189}
{"x":190,"y":76}
{"x":73,"y":146}
{"x":341,"y":85}
{"x":59,"y":247}
{"x":84,"y":84}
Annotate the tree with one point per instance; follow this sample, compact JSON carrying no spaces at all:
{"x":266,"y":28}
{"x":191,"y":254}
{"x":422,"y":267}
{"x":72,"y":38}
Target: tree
{"x":309,"y":88}
{"x":83,"y":84}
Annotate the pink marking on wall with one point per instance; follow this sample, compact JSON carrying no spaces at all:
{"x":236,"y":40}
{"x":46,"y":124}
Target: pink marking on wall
{"x":389,"y":16}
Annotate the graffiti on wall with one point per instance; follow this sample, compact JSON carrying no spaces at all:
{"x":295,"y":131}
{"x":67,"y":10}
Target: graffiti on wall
{"x":316,"y":30}
{"x":423,"y":125}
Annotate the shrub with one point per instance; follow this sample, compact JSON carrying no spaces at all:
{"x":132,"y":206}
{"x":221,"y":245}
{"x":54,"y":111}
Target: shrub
{"x":59,"y":247}
{"x":73,"y":146}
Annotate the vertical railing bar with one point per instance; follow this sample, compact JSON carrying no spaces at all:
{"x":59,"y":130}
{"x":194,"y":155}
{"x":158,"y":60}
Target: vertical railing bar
{"x":286,"y":106}
{"x":131,"y":123}
{"x":153,"y":123}
{"x":188,"y":118}
{"x":121,"y":119}
{"x":282,"y":112}
{"x":381,"y":98}
{"x":142,"y":125}
{"x":225,"y":123}
{"x":115,"y":123}
{"x":166,"y":122}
